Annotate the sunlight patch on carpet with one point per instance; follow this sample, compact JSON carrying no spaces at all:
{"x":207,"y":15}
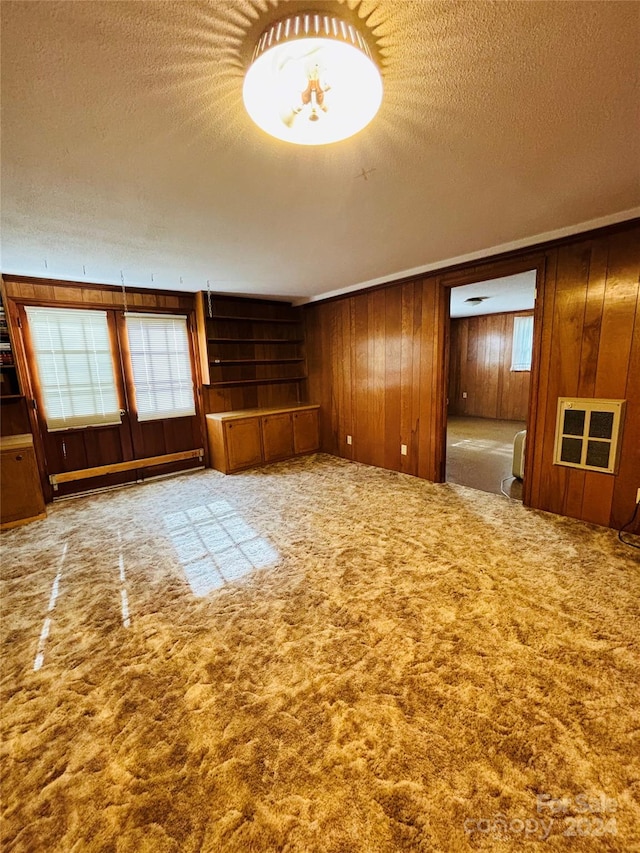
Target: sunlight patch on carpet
{"x":215,"y":545}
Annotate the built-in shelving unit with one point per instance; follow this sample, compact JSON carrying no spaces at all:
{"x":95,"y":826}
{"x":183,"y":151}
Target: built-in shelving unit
{"x":15,"y":415}
{"x":253,"y":343}
{"x":10,"y":383}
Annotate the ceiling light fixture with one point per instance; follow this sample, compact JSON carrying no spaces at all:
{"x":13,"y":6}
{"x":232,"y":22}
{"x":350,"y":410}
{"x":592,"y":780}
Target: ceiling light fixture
{"x":312,"y":80}
{"x":476,"y":300}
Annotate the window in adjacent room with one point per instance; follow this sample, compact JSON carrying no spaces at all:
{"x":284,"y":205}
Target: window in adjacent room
{"x":161,"y":366}
{"x":522,"y":343}
{"x":75,"y":367}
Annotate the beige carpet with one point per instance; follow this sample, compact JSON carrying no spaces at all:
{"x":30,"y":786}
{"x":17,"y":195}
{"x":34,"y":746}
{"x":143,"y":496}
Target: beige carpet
{"x":480,"y":454}
{"x":411,"y":667}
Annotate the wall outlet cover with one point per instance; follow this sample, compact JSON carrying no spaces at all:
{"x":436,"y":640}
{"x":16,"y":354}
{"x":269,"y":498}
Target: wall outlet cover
{"x":349,"y":440}
{"x":403,"y":449}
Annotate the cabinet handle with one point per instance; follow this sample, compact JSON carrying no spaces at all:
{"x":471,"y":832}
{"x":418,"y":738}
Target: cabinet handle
{"x":19,"y":457}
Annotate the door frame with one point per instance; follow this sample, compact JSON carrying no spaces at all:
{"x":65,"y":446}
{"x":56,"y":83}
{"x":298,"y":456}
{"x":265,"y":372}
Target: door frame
{"x":472,"y":275}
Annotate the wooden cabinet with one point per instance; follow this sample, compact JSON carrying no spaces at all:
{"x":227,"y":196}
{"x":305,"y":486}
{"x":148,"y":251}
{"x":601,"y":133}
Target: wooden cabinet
{"x":277,"y":436}
{"x":21,"y":497}
{"x":242,"y":443}
{"x":251,"y":437}
{"x":306,"y":435}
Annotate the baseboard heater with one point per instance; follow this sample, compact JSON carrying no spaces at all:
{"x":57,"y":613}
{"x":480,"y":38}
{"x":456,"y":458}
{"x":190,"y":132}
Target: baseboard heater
{"x":117,"y":467}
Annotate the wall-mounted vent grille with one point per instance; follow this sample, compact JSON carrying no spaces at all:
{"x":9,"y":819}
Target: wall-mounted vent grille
{"x":588,"y":433}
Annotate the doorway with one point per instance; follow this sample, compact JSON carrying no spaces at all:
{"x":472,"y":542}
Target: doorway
{"x":489,"y":382}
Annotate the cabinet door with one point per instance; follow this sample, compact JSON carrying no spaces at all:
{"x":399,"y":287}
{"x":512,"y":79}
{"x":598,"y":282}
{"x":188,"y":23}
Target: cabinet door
{"x":305,"y":431}
{"x":242,"y":439}
{"x":21,"y":494}
{"x":277,"y":437}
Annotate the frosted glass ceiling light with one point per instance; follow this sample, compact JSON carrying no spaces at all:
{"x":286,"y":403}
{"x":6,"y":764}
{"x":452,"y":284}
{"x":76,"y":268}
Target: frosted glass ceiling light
{"x":312,"y":80}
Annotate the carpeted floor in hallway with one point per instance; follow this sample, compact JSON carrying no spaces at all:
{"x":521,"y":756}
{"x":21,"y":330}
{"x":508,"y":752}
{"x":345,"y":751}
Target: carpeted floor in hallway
{"x":480,"y":454}
{"x":317,"y":657}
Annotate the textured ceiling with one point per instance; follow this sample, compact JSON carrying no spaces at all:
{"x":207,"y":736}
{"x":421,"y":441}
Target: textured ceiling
{"x":125,"y":144}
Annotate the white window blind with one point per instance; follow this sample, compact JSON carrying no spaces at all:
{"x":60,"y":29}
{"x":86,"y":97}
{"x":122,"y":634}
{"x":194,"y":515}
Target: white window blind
{"x":161,"y":364}
{"x":522,"y":343}
{"x":75,"y":367}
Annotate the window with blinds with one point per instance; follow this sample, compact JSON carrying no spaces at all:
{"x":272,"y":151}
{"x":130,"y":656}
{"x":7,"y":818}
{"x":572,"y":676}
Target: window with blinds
{"x":522,"y":343}
{"x":161,"y":366}
{"x":74,"y":366}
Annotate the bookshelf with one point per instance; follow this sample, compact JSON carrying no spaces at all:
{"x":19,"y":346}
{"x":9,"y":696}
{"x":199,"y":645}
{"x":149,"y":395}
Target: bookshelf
{"x":9,"y":381}
{"x":14,"y":418}
{"x":254,"y":352}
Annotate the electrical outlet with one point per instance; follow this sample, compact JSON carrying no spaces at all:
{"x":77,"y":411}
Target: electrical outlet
{"x":403,"y":449}
{"x":638,"y":496}
{"x":464,"y":395}
{"x":349,"y":440}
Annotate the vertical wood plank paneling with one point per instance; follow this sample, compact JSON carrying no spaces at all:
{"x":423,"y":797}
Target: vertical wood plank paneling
{"x":379,"y":369}
{"x":594,"y":306}
{"x":589,"y":342}
{"x":628,"y":480}
{"x":463,"y":339}
{"x":480,"y":365}
{"x":456,"y":403}
{"x":360,"y":347}
{"x":427,"y":368}
{"x":440,"y":317}
{"x":406,"y":372}
{"x":346,"y":381}
{"x":416,"y":379}
{"x":392,"y":376}
{"x":616,"y":337}
{"x":566,"y":339}
{"x":502,"y":376}
{"x":377,"y":402}
{"x":334,"y":350}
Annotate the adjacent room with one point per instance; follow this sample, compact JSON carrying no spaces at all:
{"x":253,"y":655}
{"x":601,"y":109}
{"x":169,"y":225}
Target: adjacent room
{"x":319,"y":426}
{"x":490,"y":352}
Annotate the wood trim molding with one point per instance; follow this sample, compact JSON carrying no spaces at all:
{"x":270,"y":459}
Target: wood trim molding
{"x":49,"y":292}
{"x":131,"y":465}
{"x":472,"y":274}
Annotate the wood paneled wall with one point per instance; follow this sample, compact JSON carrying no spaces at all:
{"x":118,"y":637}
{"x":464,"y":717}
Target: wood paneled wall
{"x":36,"y":291}
{"x":377,"y":366}
{"x":59,"y":452}
{"x":480,"y":366}
{"x":374,"y":364}
{"x":590,"y":348}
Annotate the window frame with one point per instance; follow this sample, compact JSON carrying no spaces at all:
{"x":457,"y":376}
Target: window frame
{"x":518,"y":366}
{"x":34,"y":367}
{"x":129,"y":367}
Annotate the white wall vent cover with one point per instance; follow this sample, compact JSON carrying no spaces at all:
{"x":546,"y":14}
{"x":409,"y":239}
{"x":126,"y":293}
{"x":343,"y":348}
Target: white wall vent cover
{"x":588,"y":433}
